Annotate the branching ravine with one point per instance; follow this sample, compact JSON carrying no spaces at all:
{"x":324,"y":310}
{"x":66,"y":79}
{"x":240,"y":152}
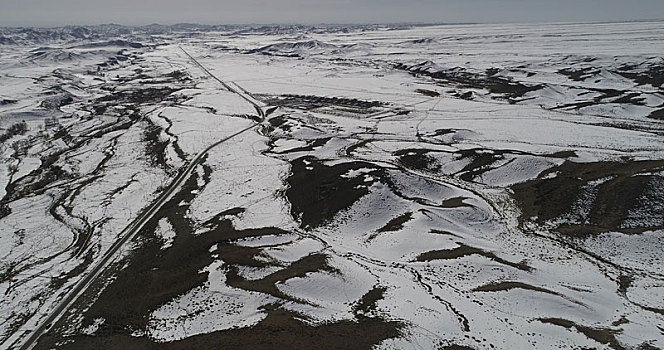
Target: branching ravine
{"x":396,"y":186}
{"x":603,"y":264}
{"x":173,"y":138}
{"x":82,"y":234}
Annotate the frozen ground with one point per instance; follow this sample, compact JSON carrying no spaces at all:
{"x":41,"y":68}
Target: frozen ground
{"x":439,"y":187}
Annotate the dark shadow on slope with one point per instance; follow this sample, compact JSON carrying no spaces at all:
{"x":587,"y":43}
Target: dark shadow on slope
{"x":418,"y":159}
{"x":464,"y":78}
{"x":317,"y":192}
{"x":153,"y":276}
{"x":268,"y":284}
{"x":281,"y":329}
{"x":657,"y":115}
{"x":624,"y":187}
{"x":509,"y":285}
{"x":463,"y":250}
{"x":397,"y":223}
{"x":600,"y":335}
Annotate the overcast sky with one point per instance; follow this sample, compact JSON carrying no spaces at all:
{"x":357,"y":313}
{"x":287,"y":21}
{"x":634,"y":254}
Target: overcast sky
{"x":137,"y":12}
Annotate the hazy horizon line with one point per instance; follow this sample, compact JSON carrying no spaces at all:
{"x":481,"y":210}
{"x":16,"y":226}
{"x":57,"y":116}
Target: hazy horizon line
{"x":339,"y":24}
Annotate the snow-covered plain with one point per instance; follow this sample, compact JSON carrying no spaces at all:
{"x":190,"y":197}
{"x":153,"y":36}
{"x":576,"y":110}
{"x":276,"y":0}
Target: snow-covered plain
{"x":477,"y":186}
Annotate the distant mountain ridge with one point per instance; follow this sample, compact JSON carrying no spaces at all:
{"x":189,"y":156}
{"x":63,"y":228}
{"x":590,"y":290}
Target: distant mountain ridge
{"x":76,"y":34}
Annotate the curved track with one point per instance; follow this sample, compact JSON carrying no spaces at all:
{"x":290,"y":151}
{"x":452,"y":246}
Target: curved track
{"x":135,"y":226}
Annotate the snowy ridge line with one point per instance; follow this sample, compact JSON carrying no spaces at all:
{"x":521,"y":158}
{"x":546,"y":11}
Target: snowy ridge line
{"x":127,"y":234}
